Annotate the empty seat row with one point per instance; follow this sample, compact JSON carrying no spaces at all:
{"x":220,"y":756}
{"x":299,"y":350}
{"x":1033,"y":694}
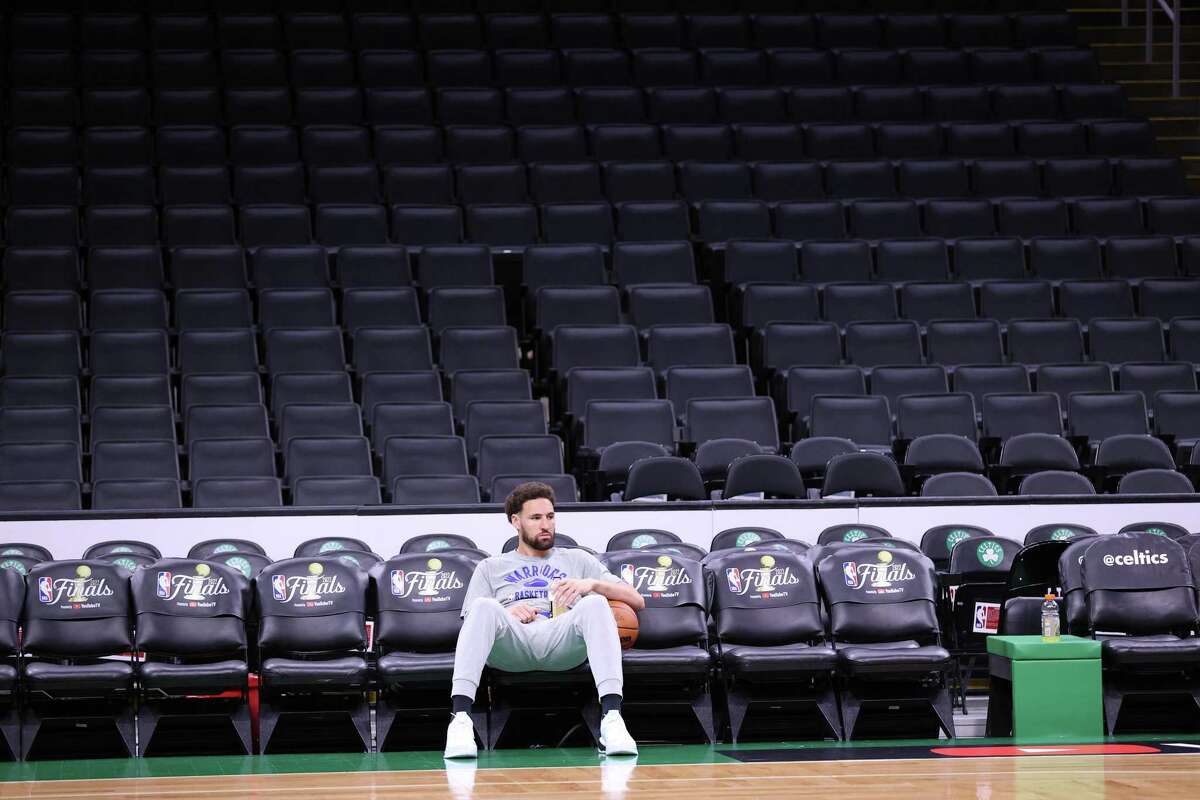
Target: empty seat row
{"x":367,"y":29}
{"x":561,"y":106}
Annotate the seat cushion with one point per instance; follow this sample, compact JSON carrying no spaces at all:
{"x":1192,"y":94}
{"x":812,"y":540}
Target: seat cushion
{"x":683,"y":660}
{"x":217,"y":676}
{"x":49,"y":677}
{"x":865,"y":661}
{"x":348,"y":671}
{"x":402,"y":667}
{"x":751,"y":660}
{"x":8,"y":676}
{"x":1150,"y":651}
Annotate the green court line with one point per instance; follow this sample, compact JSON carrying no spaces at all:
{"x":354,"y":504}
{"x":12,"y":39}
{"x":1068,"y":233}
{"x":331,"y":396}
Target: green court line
{"x":192,"y":766}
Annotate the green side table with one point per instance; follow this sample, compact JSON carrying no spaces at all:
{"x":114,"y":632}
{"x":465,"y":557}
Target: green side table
{"x":1045,"y":691}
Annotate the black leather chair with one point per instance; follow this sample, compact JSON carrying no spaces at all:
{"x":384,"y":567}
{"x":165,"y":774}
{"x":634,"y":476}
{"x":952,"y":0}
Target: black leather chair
{"x":191,"y":624}
{"x":360,"y":559}
{"x":77,"y":615}
{"x":249,"y":564}
{"x":34,"y":551}
{"x":639,"y":538}
{"x":130,"y":562}
{"x":429,"y":542}
{"x":1034,"y":573}
{"x":19,"y":564}
{"x":851,"y":532}
{"x":771,"y":641}
{"x":1158,"y":528}
{"x":120,"y":546}
{"x":560,"y":540}
{"x":669,"y":664}
{"x":327,"y":545}
{"x":417,"y":604}
{"x":684,"y":549}
{"x":312,"y":642}
{"x":939,"y":541}
{"x":212,"y":547}
{"x":12,"y":600}
{"x":884,"y":627}
{"x":743,"y":537}
{"x":1057,"y":532}
{"x":1070,"y":579}
{"x":976,"y":583}
{"x":1140,"y":586}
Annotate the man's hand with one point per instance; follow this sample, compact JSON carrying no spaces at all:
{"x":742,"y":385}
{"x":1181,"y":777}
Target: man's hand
{"x":522,"y":613}
{"x":566,"y":592}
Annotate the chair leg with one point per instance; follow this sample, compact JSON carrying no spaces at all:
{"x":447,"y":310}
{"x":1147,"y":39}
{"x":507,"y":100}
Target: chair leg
{"x":591,"y":718}
{"x":31,"y":723}
{"x":385,"y":715}
{"x":496,"y":722}
{"x":360,"y":715}
{"x":127,"y":728}
{"x":147,"y":722}
{"x":479,"y":719}
{"x":703,"y":709}
{"x":827,"y":703}
{"x":1112,"y":706}
{"x":240,"y":718}
{"x":737,"y":703}
{"x":851,"y":706}
{"x":268,"y":718}
{"x":943,"y":708}
{"x":10,"y":728}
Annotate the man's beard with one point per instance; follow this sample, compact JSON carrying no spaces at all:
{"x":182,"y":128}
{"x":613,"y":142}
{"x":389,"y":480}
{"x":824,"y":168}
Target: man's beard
{"x":535,"y":543}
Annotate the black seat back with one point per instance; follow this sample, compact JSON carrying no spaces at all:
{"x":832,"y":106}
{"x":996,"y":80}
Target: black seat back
{"x":1139,"y":584}
{"x":1057,"y":532}
{"x":429,"y":542}
{"x":77,"y":608}
{"x":12,"y":600}
{"x":640,"y":537}
{"x":939,"y":541}
{"x":751,"y":589}
{"x":851,"y":532}
{"x":743,"y":537}
{"x":418,"y":600}
{"x":1070,"y":579}
{"x":986,"y":559}
{"x":312,"y":605}
{"x":130,"y":562}
{"x":34,"y":551}
{"x":673,"y":589}
{"x":117,"y":546}
{"x":684,"y":549}
{"x":1157,"y":528}
{"x":560,"y":540}
{"x":18,"y":564}
{"x":211,"y":547}
{"x":248,"y":564}
{"x":882,"y":595}
{"x":189,"y":607}
{"x":329,"y":544}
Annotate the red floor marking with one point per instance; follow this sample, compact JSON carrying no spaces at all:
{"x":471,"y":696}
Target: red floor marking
{"x":1047,"y":750}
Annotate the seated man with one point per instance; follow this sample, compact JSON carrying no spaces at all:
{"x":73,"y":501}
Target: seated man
{"x":540,"y":608}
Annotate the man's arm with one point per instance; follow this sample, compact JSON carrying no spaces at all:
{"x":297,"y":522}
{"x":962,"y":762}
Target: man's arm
{"x":599,"y":580}
{"x":618,"y":590}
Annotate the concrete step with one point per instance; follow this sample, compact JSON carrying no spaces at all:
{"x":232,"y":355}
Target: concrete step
{"x":1135,"y":34}
{"x":1129,"y":52}
{"x":1176,"y":126}
{"x":1141,"y":71}
{"x":1160,"y":88}
{"x":1183,"y":146}
{"x":1164,"y":106}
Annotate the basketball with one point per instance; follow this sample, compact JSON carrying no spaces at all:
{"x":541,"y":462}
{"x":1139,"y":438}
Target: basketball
{"x":627,"y":623}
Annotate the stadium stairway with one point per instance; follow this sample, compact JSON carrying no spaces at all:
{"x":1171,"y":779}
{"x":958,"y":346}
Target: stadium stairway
{"x":1121,"y":51}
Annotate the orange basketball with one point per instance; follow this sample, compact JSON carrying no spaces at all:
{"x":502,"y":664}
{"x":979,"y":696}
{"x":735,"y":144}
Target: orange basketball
{"x":627,"y":622}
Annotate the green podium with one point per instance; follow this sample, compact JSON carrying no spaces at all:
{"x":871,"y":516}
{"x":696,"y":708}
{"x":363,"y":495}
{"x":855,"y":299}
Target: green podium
{"x":1045,"y":691}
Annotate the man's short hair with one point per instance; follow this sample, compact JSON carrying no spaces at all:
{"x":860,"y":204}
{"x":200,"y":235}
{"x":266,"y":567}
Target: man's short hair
{"x":523,"y":493}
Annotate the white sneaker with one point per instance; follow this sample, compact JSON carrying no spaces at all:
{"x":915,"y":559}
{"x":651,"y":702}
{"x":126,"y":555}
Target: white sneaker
{"x":460,"y":737}
{"x":614,"y":736}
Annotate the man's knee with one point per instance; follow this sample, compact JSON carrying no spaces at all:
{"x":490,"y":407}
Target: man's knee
{"x":486,"y":607}
{"x":592,"y":604}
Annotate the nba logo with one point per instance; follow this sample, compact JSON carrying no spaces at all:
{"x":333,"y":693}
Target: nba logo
{"x":733,"y":576}
{"x":164,"y":584}
{"x":398,"y":582}
{"x":279,"y":587}
{"x":46,"y":589}
{"x":850,"y":573}
{"x":627,"y":574}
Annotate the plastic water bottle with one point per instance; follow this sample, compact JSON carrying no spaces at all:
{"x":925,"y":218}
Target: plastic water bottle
{"x":1050,"y":619}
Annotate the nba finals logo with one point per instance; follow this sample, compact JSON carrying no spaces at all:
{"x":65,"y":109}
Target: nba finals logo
{"x":80,"y":591}
{"x":658,"y":579}
{"x":879,"y":577}
{"x":763,"y":580}
{"x":310,"y":588}
{"x":429,"y":584}
{"x":197,"y":588}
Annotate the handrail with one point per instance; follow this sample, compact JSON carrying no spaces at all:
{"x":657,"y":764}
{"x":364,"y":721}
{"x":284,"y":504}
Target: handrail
{"x":1174,"y":13}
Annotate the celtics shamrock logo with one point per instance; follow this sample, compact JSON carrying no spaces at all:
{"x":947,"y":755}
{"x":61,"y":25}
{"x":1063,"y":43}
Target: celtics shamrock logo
{"x":990,"y":554}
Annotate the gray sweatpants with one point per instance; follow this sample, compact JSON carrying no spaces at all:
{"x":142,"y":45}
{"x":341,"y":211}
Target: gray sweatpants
{"x":586,"y":632}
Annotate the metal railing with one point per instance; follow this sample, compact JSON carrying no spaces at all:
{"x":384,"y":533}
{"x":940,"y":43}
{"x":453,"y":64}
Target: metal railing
{"x":1172,"y":9}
